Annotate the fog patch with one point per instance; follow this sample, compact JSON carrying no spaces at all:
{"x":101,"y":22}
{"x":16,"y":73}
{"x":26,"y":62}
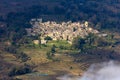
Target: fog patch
{"x":103,"y":71}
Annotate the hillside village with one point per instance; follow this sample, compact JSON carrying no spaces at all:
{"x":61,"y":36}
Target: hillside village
{"x":59,"y":31}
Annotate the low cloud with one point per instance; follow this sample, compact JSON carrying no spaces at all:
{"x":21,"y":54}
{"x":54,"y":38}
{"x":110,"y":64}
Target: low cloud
{"x":104,"y":71}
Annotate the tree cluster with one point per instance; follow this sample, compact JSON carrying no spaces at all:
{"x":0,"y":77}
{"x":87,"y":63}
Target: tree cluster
{"x":92,"y":41}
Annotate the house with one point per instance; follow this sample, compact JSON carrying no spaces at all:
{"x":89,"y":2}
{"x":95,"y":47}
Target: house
{"x":60,"y":31}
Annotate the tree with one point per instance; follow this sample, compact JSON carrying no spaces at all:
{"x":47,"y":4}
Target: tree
{"x":85,"y":43}
{"x":51,"y":52}
{"x":78,"y":43}
{"x":53,"y":49}
{"x":48,"y":38}
{"x":90,"y":39}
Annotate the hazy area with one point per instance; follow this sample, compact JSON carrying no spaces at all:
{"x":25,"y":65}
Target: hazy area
{"x":102,"y":71}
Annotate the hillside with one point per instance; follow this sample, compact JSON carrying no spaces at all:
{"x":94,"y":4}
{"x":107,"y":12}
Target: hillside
{"x":103,"y":13}
{"x":15,"y":15}
{"x":72,"y":35}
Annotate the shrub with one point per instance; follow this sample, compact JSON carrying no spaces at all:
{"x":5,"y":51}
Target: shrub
{"x":49,"y":55}
{"x":53,"y":49}
{"x":47,"y":38}
{"x":18,"y":54}
{"x":24,"y":57}
{"x":63,"y":47}
{"x":20,"y":70}
{"x":78,"y":43}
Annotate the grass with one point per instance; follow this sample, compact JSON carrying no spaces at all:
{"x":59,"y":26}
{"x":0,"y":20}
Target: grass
{"x":39,"y":54}
{"x":73,"y":64}
{"x":52,"y":68}
{"x":58,"y":43}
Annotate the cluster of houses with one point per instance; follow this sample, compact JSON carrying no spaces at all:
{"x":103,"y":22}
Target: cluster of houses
{"x":59,"y":31}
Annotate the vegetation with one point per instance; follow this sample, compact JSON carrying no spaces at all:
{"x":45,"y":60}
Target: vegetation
{"x":18,"y":54}
{"x":20,"y":70}
{"x":51,"y":52}
{"x":92,"y":41}
{"x":48,"y":38}
{"x":62,"y":44}
{"x":102,"y":15}
{"x":49,"y":56}
{"x":53,"y":49}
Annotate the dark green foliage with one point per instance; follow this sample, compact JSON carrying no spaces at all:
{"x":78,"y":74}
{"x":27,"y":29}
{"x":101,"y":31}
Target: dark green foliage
{"x":102,"y":14}
{"x":92,"y":41}
{"x":44,"y":45}
{"x":16,"y":24}
{"x":24,"y":57}
{"x":62,"y":47}
{"x":53,"y":49}
{"x":49,"y":55}
{"x":74,"y":29}
{"x":48,"y":38}
{"x":26,"y":40}
{"x":71,"y":67}
{"x":18,"y":54}
{"x":78,"y":43}
{"x":20,"y":70}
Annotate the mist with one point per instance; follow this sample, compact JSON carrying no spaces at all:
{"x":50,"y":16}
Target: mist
{"x":102,"y":71}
